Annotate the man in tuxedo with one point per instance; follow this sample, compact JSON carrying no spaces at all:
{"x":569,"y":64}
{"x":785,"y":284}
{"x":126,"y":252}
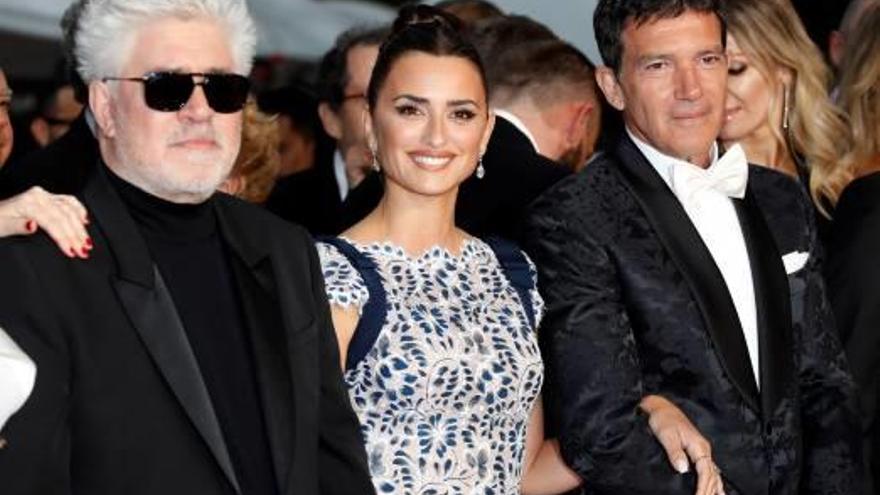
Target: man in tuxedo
{"x":543,"y":93}
{"x":193,"y":352}
{"x":673,"y":276}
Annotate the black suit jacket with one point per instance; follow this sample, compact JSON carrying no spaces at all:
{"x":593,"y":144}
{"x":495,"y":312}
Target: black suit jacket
{"x":311,"y":198}
{"x":62,"y":167}
{"x":494,"y":205}
{"x":637,"y":306}
{"x":853,"y":276}
{"x":119,"y":404}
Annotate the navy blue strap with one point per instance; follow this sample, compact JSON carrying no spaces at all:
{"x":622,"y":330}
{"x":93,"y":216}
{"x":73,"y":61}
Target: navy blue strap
{"x":373,"y":313}
{"x":517,"y":270}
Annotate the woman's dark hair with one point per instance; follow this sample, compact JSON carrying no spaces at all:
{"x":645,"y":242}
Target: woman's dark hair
{"x":426,"y":29}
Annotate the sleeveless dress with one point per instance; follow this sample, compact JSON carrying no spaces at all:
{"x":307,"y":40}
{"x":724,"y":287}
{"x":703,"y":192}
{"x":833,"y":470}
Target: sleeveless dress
{"x":445,"y":391}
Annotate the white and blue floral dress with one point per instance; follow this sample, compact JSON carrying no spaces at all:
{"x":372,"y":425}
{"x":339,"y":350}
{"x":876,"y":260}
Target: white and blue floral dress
{"x":445,"y":391}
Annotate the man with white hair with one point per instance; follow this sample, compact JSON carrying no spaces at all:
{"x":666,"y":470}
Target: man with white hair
{"x":192,"y":353}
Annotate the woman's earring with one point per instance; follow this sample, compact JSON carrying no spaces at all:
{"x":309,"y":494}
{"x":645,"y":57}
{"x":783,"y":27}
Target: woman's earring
{"x":481,"y":171}
{"x":375,"y":164}
{"x":785,"y":106}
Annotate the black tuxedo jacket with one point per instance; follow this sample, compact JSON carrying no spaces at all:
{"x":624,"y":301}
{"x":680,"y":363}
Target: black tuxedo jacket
{"x":494,"y":205}
{"x":119,"y":404}
{"x":61,"y":167}
{"x":637,"y":306}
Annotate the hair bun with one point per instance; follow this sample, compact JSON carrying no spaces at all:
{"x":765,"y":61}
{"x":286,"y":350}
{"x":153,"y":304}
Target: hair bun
{"x":425,"y":15}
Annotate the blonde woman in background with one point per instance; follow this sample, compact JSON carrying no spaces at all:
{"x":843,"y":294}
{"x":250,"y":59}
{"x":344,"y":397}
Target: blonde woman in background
{"x":777,"y":104}
{"x":852,"y":271}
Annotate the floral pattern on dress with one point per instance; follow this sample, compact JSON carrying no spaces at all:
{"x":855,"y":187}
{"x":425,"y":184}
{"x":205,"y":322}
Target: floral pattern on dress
{"x":445,"y":393}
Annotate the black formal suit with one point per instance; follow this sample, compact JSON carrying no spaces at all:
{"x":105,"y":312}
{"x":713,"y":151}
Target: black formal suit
{"x":310,"y":198}
{"x":637,"y":306}
{"x":492,"y":206}
{"x":62,"y":167}
{"x":120,"y":405}
{"x":853,"y":276}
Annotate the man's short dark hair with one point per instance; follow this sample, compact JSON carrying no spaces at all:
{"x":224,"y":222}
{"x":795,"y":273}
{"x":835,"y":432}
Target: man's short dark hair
{"x":611,"y":17}
{"x":522,"y":56}
{"x":470,"y":11}
{"x":333,"y":75}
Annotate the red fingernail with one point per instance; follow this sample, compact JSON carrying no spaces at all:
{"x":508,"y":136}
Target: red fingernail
{"x":30,"y":226}
{"x":84,"y":253}
{"x":89,"y":242}
{"x":71,"y":253}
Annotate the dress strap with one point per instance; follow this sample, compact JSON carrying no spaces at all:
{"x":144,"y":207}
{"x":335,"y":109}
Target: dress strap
{"x":373,"y":313}
{"x":517,"y":270}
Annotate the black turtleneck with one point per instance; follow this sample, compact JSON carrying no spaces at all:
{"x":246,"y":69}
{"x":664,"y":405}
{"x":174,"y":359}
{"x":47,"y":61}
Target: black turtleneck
{"x":185,"y":244}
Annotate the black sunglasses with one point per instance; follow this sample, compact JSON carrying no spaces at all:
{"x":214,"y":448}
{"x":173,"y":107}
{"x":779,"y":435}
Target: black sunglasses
{"x":170,"y":91}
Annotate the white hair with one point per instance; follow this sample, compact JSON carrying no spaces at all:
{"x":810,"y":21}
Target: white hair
{"x":107,"y":29}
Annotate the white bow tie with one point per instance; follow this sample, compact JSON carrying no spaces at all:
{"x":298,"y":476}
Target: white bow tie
{"x":729,"y":176}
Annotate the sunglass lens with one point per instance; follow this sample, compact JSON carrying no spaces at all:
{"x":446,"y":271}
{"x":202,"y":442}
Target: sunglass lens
{"x":226,"y":93}
{"x":168,"y":92}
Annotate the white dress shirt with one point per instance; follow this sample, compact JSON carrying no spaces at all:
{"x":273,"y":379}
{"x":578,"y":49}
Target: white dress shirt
{"x":339,"y":173}
{"x":17,"y":375}
{"x":713,"y":215}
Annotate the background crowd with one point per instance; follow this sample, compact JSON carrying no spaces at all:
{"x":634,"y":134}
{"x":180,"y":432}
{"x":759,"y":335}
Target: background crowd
{"x":533,"y":130}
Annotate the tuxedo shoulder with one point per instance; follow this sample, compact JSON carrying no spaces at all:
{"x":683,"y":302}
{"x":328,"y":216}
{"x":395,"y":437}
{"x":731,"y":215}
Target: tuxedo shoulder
{"x":591,"y":203}
{"x":778,"y":193}
{"x":590,"y":186}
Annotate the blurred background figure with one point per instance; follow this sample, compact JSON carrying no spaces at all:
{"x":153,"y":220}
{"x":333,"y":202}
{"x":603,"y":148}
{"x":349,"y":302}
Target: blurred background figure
{"x":314,"y":198}
{"x":837,"y":39}
{"x":253,"y":174}
{"x":299,"y":128}
{"x":65,"y":161}
{"x":543,"y":85}
{"x":777,"y":104}
{"x":5,"y":124}
{"x":852,"y":271}
{"x":55,"y":114}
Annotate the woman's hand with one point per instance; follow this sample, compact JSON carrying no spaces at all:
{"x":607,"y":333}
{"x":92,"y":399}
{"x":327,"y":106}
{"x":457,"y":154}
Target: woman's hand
{"x":682,"y":441}
{"x":62,"y":217}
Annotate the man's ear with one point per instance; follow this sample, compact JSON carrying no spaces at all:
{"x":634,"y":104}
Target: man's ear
{"x":369,"y":133}
{"x":101,"y":104}
{"x":607,"y":81}
{"x":578,"y":124}
{"x":330,"y":120}
{"x":40,"y":131}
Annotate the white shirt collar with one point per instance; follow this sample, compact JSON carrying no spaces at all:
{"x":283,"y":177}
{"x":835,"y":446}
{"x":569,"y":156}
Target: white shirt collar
{"x":662,"y":162}
{"x":339,"y":173}
{"x":513,"y":119}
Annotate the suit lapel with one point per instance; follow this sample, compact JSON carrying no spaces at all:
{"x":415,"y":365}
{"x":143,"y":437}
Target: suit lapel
{"x":772,"y":304}
{"x":685,"y":247}
{"x":255,"y":278}
{"x":151,"y":311}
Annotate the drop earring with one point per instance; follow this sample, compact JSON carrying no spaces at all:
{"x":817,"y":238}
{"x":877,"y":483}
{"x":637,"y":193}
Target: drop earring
{"x":785,"y":108}
{"x":481,"y":171}
{"x":375,"y":165}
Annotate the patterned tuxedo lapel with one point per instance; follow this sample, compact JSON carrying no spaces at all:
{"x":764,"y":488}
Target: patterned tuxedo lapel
{"x":772,"y":303}
{"x":682,"y":242}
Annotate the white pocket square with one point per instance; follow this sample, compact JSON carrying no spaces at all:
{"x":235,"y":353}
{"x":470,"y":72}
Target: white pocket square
{"x":794,"y":261}
{"x":17,"y":375}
